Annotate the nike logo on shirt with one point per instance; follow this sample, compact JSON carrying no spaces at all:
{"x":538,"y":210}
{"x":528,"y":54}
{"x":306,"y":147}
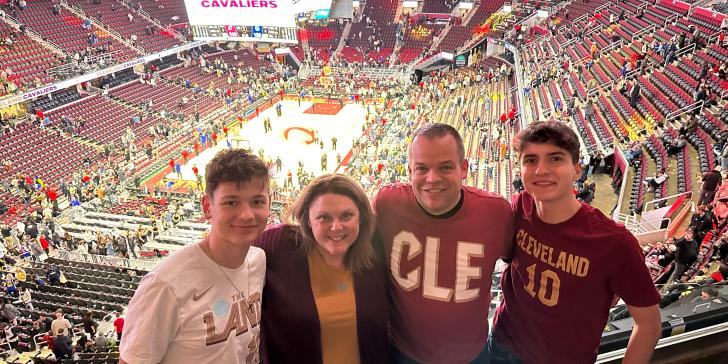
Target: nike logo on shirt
{"x":196,"y":297}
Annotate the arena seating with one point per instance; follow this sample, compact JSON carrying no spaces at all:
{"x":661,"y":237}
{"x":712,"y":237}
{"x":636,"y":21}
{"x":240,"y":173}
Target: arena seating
{"x":324,"y":38}
{"x":117,"y":20}
{"x":26,"y":59}
{"x":459,"y":34}
{"x":684,"y":175}
{"x":167,"y":97}
{"x":664,"y":88}
{"x":454,"y":38}
{"x":166,"y":11}
{"x":66,"y":32}
{"x":438,"y":6}
{"x":106,"y":120}
{"x":382,"y":28}
{"x":50,"y":156}
{"x":245,"y":57}
{"x":57,"y":99}
{"x":417,"y":38}
{"x":99,"y":288}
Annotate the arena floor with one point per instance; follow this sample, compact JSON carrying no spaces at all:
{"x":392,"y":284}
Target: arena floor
{"x":291,"y":138}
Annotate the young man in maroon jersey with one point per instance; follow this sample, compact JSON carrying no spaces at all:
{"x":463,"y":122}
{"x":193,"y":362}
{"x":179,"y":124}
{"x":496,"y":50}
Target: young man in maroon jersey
{"x":441,"y":240}
{"x":569,"y":261}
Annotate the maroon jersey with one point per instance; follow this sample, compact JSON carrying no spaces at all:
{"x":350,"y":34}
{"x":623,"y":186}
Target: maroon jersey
{"x":441,"y":271}
{"x":558,"y":288}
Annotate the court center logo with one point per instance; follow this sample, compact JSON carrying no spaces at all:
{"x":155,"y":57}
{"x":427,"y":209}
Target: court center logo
{"x":309,"y":133}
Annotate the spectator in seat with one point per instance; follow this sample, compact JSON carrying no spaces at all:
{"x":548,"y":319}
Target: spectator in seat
{"x":701,"y":223}
{"x":701,"y":94}
{"x":53,"y":274}
{"x":621,"y":85}
{"x":634,"y":152}
{"x":689,"y":127}
{"x":60,"y":323}
{"x":26,"y":298}
{"x":89,"y":324}
{"x":634,"y":93}
{"x":719,"y":275}
{"x":662,"y":255}
{"x":45,"y":322}
{"x":517,"y":182}
{"x":49,"y":339}
{"x":10,"y":313}
{"x":586,"y":193}
{"x":711,"y":181}
{"x":706,"y":294}
{"x":657,"y":180}
{"x":675,"y":146}
{"x":686,"y":253}
{"x":62,"y":346}
{"x":101,"y":342}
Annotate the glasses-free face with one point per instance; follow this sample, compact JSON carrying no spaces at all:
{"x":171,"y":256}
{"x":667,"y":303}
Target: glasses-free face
{"x":437,"y":173}
{"x":548,"y":173}
{"x":238,"y":213}
{"x":334,"y":222}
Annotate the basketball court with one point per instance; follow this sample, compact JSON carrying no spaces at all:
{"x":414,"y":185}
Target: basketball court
{"x":295,"y":137}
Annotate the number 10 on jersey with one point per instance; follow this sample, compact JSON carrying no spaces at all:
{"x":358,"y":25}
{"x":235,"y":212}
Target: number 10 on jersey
{"x":549,"y":297}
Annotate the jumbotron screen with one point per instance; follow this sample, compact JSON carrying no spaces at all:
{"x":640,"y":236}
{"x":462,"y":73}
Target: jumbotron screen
{"x":302,"y":6}
{"x":270,"y":21}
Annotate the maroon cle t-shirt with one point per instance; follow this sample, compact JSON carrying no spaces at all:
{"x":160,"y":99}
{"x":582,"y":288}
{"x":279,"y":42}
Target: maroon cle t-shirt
{"x":441,"y":270}
{"x":558,"y":288}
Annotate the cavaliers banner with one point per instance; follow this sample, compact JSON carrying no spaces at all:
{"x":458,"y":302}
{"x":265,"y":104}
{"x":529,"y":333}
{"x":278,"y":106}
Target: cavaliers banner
{"x":271,"y":13}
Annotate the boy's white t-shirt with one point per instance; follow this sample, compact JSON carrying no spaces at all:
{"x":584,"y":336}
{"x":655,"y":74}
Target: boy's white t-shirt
{"x":186,"y":311}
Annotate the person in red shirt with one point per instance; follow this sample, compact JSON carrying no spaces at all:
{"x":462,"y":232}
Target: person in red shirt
{"x":171,"y":163}
{"x":441,"y":253}
{"x":51,"y":194}
{"x":503,"y":118}
{"x":43,"y":243}
{"x":214,"y":138}
{"x":48,"y":338}
{"x":225,"y":130}
{"x":119,"y":325}
{"x":185,"y":156}
{"x":512,"y":115}
{"x":569,"y":263}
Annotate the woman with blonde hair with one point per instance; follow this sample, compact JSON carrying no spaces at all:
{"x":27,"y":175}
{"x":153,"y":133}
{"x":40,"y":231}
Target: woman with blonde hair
{"x":325,"y":295}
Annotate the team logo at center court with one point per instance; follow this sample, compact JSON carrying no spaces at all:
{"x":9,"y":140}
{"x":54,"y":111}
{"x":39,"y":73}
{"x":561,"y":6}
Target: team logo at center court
{"x":298,"y":129}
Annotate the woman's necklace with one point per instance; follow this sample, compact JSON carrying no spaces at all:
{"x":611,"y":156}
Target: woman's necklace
{"x":341,"y":285}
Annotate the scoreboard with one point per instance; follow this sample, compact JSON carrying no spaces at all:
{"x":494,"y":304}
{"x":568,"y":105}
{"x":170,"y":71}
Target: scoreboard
{"x":270,"y":21}
{"x":245,"y":33}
